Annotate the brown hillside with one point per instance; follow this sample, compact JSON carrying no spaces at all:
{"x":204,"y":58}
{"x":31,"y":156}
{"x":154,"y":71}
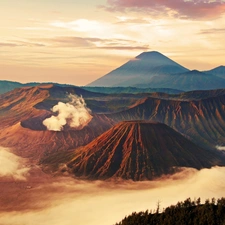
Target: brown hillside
{"x":21,"y":125}
{"x":203,"y":121}
{"x":138,"y":150}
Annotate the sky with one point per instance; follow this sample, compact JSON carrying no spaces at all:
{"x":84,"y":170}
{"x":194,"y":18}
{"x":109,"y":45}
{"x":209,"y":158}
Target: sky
{"x":76,"y":42}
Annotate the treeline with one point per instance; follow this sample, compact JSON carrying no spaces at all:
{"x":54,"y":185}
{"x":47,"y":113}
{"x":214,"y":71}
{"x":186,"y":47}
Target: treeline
{"x":189,"y":212}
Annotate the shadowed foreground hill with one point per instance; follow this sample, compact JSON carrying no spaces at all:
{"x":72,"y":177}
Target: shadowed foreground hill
{"x":138,"y":150}
{"x":183,"y":213}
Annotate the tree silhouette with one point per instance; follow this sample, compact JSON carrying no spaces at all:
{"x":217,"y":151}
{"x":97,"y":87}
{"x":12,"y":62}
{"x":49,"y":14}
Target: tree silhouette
{"x":187,"y":212}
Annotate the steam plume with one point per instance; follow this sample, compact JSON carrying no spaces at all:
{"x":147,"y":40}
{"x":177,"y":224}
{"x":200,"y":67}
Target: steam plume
{"x":75,"y":114}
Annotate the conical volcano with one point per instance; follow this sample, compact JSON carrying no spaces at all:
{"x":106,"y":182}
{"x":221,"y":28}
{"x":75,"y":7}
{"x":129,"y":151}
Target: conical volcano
{"x":140,"y":70}
{"x":139,"y":150}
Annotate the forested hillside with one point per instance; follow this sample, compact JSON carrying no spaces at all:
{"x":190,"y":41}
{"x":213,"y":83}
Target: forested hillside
{"x":189,"y":212}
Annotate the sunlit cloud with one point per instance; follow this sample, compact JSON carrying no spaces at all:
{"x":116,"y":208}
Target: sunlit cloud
{"x":92,"y":28}
{"x":82,"y":25}
{"x":196,"y":9}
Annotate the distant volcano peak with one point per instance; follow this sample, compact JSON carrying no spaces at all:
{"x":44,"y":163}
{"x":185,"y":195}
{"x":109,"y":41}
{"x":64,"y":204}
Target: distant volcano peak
{"x":150,"y":54}
{"x":156,"y":58}
{"x":195,"y":71}
{"x":140,"y":70}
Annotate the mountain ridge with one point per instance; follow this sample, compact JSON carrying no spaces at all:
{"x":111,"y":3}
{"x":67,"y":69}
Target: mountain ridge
{"x":218,"y":71}
{"x":188,"y":81}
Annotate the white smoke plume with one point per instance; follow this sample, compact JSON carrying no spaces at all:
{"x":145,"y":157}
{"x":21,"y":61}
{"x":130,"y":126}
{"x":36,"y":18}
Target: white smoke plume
{"x":11,"y":166}
{"x":75,"y":114}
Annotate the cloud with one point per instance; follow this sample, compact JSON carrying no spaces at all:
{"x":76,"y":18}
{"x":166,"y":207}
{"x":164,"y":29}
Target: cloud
{"x":93,"y":43}
{"x":195,"y":9}
{"x":21,"y":44}
{"x":74,"y":114}
{"x":81,"y":25}
{"x":213,"y":31}
{"x":92,"y":28}
{"x":5,"y":44}
{"x":66,"y":201}
{"x":221,"y":148}
{"x":141,"y":48}
{"x":35,"y":28}
{"x":132,"y":20}
{"x":71,"y":41}
{"x":11,"y":166}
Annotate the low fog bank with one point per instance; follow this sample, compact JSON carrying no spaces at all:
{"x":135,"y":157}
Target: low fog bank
{"x":12,"y":166}
{"x":65,"y":201}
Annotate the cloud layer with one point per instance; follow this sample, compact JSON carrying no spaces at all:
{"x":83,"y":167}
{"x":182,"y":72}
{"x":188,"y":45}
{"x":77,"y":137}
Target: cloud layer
{"x":11,"y":166}
{"x":195,"y":9}
{"x":67,"y":201}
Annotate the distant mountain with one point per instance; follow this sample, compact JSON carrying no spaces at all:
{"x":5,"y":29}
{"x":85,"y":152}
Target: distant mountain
{"x":138,"y":150}
{"x":140,"y":70}
{"x":131,"y":90}
{"x":218,"y":71}
{"x":6,"y":86}
{"x":188,"y":81}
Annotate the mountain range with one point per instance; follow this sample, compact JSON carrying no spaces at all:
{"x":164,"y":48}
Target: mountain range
{"x":155,"y":70}
{"x":145,"y":128}
{"x":135,"y":122}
